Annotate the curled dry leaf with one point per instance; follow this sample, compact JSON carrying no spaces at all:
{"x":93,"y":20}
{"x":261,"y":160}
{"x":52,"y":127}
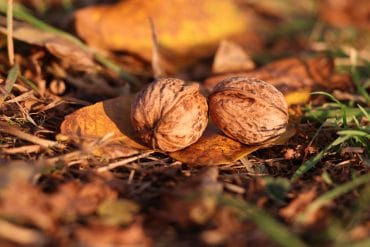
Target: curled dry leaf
{"x":294,"y":75}
{"x":170,"y":114}
{"x":230,"y":57}
{"x":192,"y":28}
{"x":112,"y":116}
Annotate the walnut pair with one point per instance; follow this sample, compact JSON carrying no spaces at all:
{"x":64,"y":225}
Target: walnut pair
{"x":171,"y":114}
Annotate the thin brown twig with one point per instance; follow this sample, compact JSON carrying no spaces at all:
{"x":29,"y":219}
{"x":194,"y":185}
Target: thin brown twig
{"x":83,"y":154}
{"x":9,"y":129}
{"x":20,"y":235}
{"x":9,"y":26}
{"x":156,"y":56}
{"x":124,"y":161}
{"x":23,"y":149}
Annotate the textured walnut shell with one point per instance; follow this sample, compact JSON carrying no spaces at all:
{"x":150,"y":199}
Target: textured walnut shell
{"x":170,"y":114}
{"x":248,"y":110}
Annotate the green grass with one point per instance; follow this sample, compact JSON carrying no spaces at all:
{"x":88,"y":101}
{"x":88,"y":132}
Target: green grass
{"x":266,"y":223}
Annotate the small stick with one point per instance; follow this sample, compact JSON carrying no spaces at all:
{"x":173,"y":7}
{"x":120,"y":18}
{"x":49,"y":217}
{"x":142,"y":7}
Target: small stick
{"x":24,"y":149}
{"x":123,"y":162}
{"x":20,"y":235}
{"x":8,"y":129}
{"x":156,"y":56}
{"x":9,"y":27}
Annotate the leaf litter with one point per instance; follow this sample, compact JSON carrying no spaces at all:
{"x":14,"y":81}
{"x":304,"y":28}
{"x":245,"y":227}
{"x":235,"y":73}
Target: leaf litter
{"x":73,"y":172}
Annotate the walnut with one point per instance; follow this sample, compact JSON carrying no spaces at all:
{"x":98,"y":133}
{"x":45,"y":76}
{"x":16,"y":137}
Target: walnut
{"x":248,"y":110}
{"x":170,"y":114}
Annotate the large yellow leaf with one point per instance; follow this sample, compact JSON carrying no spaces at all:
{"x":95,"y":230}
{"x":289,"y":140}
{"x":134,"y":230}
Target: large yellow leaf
{"x":113,"y":116}
{"x":185,"y":28}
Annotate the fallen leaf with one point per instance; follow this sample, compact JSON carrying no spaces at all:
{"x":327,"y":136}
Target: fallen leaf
{"x":113,"y":117}
{"x":69,"y":53}
{"x":102,"y":235}
{"x":295,"y":77}
{"x":107,"y":117}
{"x":230,"y":57}
{"x":214,"y":148}
{"x":117,"y":212}
{"x":186,"y":29}
{"x":195,"y":200}
{"x":298,"y":205}
{"x":345,"y":13}
{"x":80,"y":199}
{"x":16,"y":177}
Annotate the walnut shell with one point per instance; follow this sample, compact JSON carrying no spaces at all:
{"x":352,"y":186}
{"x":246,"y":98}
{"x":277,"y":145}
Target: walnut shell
{"x":248,"y":110}
{"x":170,"y":114}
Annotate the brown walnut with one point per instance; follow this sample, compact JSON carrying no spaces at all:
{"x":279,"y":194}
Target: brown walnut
{"x":170,"y":114}
{"x":248,"y":110}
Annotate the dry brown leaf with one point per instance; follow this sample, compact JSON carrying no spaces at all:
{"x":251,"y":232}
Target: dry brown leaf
{"x":346,"y":13}
{"x":214,"y":148}
{"x":195,"y":200}
{"x":30,"y":206}
{"x":230,"y":57}
{"x":292,"y":75}
{"x":107,"y":117}
{"x":97,"y":236}
{"x":113,"y":117}
{"x":70,"y":54}
{"x":186,"y":29}
{"x":292,"y":210}
{"x":80,"y":199}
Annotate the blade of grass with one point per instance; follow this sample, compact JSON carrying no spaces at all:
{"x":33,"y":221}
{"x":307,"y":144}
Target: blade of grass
{"x":311,"y":163}
{"x":342,"y":106}
{"x":366,"y":114}
{"x":333,"y":194}
{"x":360,"y":88}
{"x":22,"y":13}
{"x":354,"y":132}
{"x":322,"y":113}
{"x":11,"y":78}
{"x":29,"y":83}
{"x":278,"y":232}
{"x":329,"y":96}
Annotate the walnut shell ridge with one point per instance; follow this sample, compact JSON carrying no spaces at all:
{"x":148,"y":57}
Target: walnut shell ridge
{"x":248,"y":110}
{"x":170,"y":114}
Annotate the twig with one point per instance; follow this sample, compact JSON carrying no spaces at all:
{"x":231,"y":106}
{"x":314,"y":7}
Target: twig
{"x":156,"y":57}
{"x":8,"y":129}
{"x":24,"y":149}
{"x":124,"y":162}
{"x":20,"y":235}
{"x":9,"y":26}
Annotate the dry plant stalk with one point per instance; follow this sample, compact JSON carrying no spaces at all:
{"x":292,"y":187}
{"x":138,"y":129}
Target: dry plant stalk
{"x":9,"y":24}
{"x":248,"y":110}
{"x":170,"y":114}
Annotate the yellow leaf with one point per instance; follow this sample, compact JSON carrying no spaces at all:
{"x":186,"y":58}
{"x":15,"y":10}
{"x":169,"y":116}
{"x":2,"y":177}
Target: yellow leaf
{"x":185,"y":28}
{"x":107,"y":117}
{"x":214,"y":148}
{"x":298,"y":97}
